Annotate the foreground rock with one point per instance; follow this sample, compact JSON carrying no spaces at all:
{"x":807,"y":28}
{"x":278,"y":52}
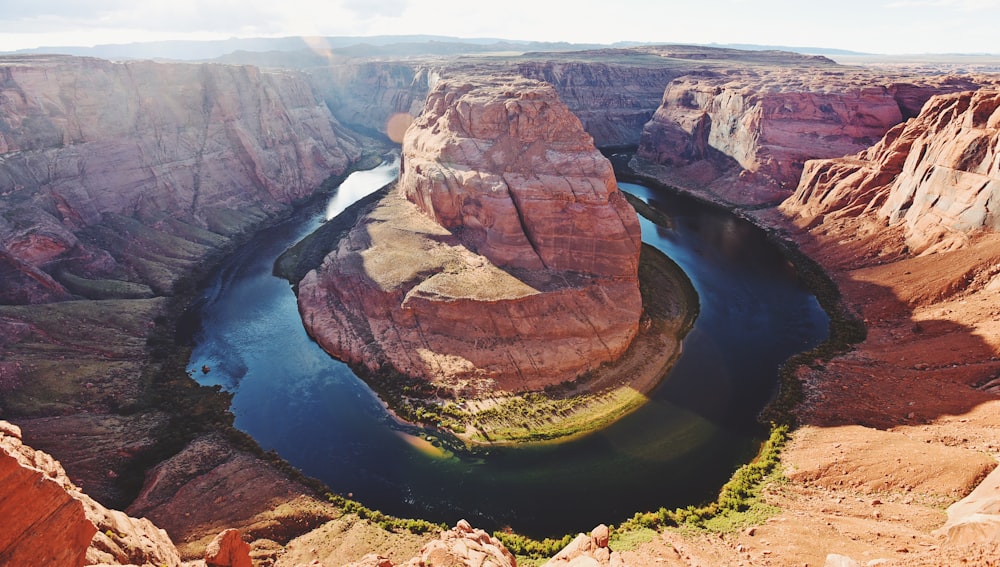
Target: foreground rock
{"x":506,"y":259}
{"x":49,"y":521}
{"x":588,"y":550}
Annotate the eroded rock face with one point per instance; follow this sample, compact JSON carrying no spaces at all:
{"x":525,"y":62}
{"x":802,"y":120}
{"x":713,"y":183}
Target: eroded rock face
{"x":764,"y":125}
{"x":49,"y":521}
{"x":185,"y":153}
{"x":507,"y":258}
{"x":935,"y":177}
{"x":511,"y":170}
{"x":43,"y":524}
{"x":588,"y":550}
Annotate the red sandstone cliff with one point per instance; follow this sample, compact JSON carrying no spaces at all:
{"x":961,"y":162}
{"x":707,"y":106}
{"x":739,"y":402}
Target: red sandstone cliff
{"x":515,"y":268}
{"x":127,"y":171}
{"x":747,"y":133}
{"x":935,"y":177}
{"x":613,"y":92}
{"x":49,"y":521}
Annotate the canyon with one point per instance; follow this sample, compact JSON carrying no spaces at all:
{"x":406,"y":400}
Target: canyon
{"x":109,"y":203}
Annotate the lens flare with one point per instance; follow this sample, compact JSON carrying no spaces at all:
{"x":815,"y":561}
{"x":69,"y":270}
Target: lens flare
{"x":396,"y":126}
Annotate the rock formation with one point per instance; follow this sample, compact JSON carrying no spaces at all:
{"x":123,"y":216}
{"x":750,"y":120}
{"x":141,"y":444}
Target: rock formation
{"x":49,"y":521}
{"x":506,"y":255}
{"x":462,"y":546}
{"x":613,"y":92}
{"x":764,"y":124}
{"x":124,"y":171}
{"x":228,"y":550}
{"x":975,"y":518}
{"x":588,"y":550}
{"x":937,"y":177}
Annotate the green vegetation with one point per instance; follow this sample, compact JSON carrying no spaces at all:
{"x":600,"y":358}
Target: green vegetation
{"x":559,"y":412}
{"x":386,"y":522}
{"x":627,"y":540}
{"x":524,"y":546}
{"x":737,"y":498}
{"x":103,"y":288}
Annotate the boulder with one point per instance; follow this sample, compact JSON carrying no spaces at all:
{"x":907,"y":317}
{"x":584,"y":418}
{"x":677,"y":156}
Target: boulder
{"x":228,"y":550}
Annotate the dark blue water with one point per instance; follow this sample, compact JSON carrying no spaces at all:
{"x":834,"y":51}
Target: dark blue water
{"x":678,"y":449}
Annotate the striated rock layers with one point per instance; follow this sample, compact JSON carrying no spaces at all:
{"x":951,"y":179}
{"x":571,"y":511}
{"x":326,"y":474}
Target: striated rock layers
{"x":49,"y":521}
{"x":765,"y":124}
{"x":506,"y":258}
{"x":122,"y":171}
{"x":936,"y":177}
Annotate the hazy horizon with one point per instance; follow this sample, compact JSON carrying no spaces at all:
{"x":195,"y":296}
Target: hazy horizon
{"x":892,"y":27}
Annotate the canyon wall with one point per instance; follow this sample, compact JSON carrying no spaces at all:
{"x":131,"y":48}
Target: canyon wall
{"x":936,"y":177}
{"x":506,"y":259}
{"x":614,"y":96}
{"x":754,"y":129}
{"x":127,"y":171}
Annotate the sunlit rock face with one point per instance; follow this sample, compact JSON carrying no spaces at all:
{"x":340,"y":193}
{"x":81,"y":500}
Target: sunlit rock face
{"x":50,"y":521}
{"x":164,"y":158}
{"x":937,"y":176}
{"x":754,"y":129}
{"x":506,"y":258}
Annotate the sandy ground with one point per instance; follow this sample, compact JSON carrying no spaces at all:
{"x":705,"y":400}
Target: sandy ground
{"x":894,"y":431}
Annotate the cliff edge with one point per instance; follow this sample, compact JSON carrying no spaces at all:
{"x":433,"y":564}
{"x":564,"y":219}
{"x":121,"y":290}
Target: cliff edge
{"x":506,"y":259}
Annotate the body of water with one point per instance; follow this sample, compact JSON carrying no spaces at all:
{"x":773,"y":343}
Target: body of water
{"x":678,"y":449}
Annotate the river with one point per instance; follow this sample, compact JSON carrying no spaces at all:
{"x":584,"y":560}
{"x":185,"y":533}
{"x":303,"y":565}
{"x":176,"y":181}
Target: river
{"x":676,"y":450}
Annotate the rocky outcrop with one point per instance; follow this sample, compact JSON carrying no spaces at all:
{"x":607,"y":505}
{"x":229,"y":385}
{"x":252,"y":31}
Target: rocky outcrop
{"x":975,"y":518}
{"x":43,"y":523}
{"x":49,"y":521}
{"x":461,"y":546}
{"x":936,"y":177}
{"x":228,"y":550}
{"x":614,"y":92}
{"x":588,"y":550}
{"x":102,"y":163}
{"x":757,"y":128}
{"x":614,"y":95}
{"x":507,"y":258}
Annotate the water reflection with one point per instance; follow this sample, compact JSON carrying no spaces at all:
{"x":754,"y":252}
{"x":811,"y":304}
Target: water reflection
{"x":676,"y":450}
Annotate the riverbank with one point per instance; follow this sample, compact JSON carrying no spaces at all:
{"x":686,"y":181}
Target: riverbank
{"x":895,"y":416}
{"x":601,"y":397}
{"x":556,"y":413}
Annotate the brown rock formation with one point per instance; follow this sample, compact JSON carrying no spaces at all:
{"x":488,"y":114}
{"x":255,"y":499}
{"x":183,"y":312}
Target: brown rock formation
{"x":764,"y":124}
{"x":48,"y":520}
{"x":934,"y":177}
{"x":588,"y":550}
{"x":228,"y":550}
{"x":82,"y":139}
{"x":42,"y":523}
{"x":517,"y":265}
{"x":461,"y":546}
{"x":613,"y":92}
{"x":975,"y":518}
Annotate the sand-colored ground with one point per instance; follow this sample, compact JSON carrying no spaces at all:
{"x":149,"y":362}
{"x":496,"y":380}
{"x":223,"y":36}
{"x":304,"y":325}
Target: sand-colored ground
{"x":894,"y":431}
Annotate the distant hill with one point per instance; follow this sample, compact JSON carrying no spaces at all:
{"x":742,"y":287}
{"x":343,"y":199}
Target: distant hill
{"x":806,"y":50}
{"x":239,"y":50}
{"x":354,"y":46}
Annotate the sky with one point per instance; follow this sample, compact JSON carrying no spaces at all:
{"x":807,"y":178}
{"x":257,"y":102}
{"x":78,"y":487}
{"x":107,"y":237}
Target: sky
{"x":874,"y":26}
